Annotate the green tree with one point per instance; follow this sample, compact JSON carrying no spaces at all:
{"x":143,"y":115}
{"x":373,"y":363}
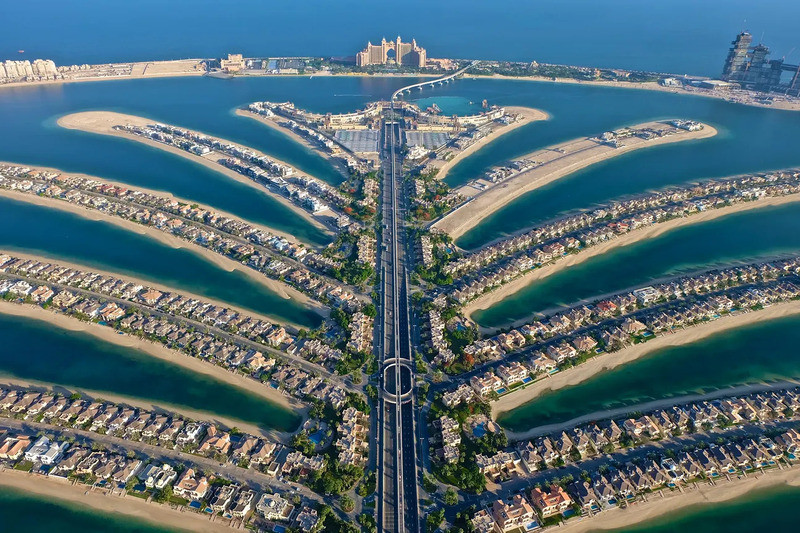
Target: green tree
{"x":347,"y":503}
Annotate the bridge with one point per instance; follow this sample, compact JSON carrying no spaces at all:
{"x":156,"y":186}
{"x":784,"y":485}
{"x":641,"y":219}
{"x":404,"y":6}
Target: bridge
{"x":433,"y":83}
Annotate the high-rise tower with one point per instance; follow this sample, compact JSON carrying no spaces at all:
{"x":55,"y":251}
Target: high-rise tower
{"x":737,"y":61}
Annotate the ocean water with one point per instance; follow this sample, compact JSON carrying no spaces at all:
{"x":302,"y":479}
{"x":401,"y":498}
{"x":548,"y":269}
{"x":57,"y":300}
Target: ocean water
{"x":769,"y":508}
{"x":746,"y":237}
{"x":31,"y":135}
{"x":757,"y":353}
{"x":61,"y":235}
{"x":678,"y":36}
{"x":36,"y":351}
{"x":749,"y":140}
{"x":22,"y":511}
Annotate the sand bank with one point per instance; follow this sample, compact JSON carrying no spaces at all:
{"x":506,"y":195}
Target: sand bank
{"x":527,"y":116}
{"x":102,"y":122}
{"x":127,"y":506}
{"x":494,"y":297}
{"x":674,"y":501}
{"x":159,"y":351}
{"x":225,"y":263}
{"x":554,"y":162}
{"x":273,"y":124}
{"x":594,"y":366}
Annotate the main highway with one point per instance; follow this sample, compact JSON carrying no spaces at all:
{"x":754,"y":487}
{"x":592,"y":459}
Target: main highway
{"x":398,"y":497}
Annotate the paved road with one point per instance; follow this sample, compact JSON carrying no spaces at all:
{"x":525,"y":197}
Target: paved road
{"x":229,"y":471}
{"x":213,"y":229}
{"x":399,"y":474}
{"x":196,"y":325}
{"x":518,"y":485}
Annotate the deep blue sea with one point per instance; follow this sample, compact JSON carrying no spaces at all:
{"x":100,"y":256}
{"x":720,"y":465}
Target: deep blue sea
{"x":681,"y":36}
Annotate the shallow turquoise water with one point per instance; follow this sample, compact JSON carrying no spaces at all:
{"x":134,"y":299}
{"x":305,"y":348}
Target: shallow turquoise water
{"x":752,"y":354}
{"x":21,"y":511}
{"x":36,"y":351}
{"x":768,"y":509}
{"x":62,"y":235}
{"x":746,"y":237}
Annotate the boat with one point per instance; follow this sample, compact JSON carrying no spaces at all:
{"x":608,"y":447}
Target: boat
{"x":20,"y":51}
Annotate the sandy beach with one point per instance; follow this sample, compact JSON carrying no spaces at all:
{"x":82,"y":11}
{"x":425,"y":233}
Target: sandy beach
{"x":554,"y":162}
{"x":673,"y":501}
{"x":221,"y":261}
{"x":159,"y":351}
{"x":492,"y":298}
{"x":140,"y":403}
{"x":589,"y":369}
{"x":128,"y":506}
{"x":138,"y":281}
{"x":165,"y":194}
{"x":288,"y":132}
{"x":102,"y":122}
{"x":528,"y":115}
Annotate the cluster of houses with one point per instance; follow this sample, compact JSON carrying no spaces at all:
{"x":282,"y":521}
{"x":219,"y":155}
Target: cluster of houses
{"x":613,"y":322}
{"x":176,"y":334}
{"x":432,"y":197}
{"x":312,"y":134}
{"x":611,"y":484}
{"x":430,"y":119}
{"x":597,"y":438}
{"x":117,"y":474}
{"x":306,"y":125}
{"x":365,"y":249}
{"x":252,"y":328}
{"x":498,"y":174}
{"x":449,"y":436}
{"x":436,"y":341}
{"x":606,"y":222}
{"x":369,"y":193}
{"x":277,"y":510}
{"x":360,"y":119}
{"x":688,"y":125}
{"x":522,"y":512}
{"x":426,"y":251}
{"x":361,"y":333}
{"x":305,"y":191}
{"x":158,"y":428}
{"x":615,"y":138}
{"x":243,"y":243}
{"x":353,"y":438}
